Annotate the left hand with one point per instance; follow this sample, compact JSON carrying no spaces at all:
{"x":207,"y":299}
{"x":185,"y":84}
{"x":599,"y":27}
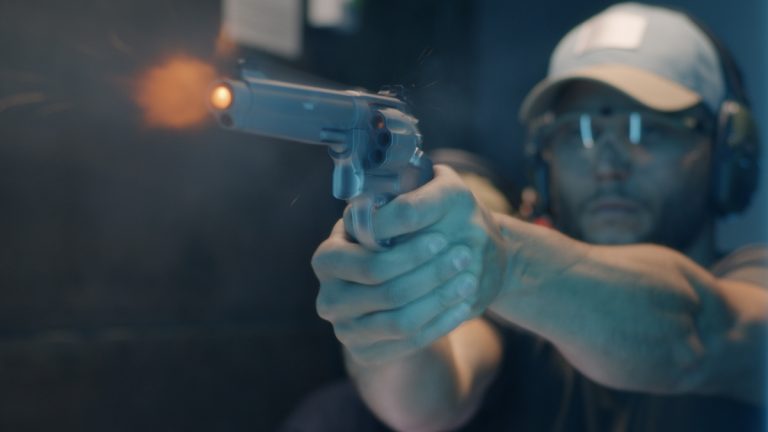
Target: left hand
{"x":446,"y":206}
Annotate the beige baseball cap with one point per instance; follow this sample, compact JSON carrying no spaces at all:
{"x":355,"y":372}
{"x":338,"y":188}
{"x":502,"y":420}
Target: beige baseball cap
{"x":655,"y":55}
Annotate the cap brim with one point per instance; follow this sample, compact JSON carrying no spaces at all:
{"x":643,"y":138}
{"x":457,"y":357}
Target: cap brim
{"x":649,"y":89}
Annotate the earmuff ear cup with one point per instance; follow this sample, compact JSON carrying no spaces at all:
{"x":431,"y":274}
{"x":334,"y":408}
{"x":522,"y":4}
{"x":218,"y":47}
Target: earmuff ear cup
{"x":541,"y":182}
{"x":736,"y":167}
{"x":537,"y":173}
{"x":737,"y":151}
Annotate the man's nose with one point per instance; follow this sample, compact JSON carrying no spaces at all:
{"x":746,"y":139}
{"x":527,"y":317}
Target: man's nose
{"x":612,"y":161}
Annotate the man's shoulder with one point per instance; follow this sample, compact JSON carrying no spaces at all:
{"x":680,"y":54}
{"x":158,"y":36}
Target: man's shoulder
{"x":747,"y":264}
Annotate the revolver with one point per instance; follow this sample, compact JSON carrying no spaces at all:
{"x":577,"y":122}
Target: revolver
{"x":372,"y":139}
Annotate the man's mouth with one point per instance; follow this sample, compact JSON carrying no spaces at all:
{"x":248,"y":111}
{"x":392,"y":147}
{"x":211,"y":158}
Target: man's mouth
{"x":612,"y":206}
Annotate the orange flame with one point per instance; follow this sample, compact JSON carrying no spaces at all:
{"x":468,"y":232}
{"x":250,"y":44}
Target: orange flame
{"x":173,"y":94}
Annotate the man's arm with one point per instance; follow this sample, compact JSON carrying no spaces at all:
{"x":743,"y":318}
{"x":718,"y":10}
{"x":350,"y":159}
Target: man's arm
{"x":632,"y":317}
{"x":399,"y":313}
{"x":437,"y":388}
{"x":636,"y":317}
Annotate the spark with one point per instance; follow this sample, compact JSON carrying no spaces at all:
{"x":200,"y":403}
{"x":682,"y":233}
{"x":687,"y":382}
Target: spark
{"x":119,"y":44}
{"x":426,"y":52}
{"x":55,"y":108}
{"x":430,"y":84}
{"x":19,"y":76}
{"x":21,"y":99}
{"x":436,"y":108}
{"x":87,"y":50}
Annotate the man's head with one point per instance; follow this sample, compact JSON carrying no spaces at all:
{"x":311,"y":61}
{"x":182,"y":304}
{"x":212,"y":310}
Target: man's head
{"x":622,"y":173}
{"x":625,"y":125}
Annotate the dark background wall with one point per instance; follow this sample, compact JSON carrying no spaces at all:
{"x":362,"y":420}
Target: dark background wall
{"x":160,"y":280}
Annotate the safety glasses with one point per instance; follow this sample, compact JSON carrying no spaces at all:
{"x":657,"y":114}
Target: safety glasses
{"x":636,"y":132}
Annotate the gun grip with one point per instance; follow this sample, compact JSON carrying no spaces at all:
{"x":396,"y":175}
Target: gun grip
{"x":362,"y":209}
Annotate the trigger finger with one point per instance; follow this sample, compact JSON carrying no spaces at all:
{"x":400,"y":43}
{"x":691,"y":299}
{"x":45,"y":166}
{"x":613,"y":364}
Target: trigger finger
{"x":347,"y":226}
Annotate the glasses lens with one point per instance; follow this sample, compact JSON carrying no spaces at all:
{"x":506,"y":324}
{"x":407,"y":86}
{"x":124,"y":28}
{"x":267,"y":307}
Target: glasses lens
{"x":562,"y":134}
{"x":578,"y":133}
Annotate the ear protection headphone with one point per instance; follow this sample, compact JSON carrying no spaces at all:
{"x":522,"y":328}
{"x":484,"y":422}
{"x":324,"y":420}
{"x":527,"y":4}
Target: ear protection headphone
{"x":736,"y":144}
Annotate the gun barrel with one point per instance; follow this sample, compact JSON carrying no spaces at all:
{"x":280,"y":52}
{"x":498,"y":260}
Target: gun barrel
{"x":292,"y":111}
{"x":374,"y":142}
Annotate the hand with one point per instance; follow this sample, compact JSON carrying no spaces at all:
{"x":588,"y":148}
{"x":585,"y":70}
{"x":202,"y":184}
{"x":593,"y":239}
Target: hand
{"x":445,"y":267}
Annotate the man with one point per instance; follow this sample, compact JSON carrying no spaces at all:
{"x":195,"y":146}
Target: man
{"x":626,"y":320}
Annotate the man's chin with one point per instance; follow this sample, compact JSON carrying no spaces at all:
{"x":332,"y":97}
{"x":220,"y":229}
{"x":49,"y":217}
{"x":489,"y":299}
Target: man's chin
{"x":611,"y":237}
{"x":614,"y":231}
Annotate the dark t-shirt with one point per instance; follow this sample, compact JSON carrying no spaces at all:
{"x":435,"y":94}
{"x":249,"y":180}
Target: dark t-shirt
{"x":537,"y":390}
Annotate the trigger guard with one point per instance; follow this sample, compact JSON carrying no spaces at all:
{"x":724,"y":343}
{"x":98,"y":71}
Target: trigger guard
{"x":362,"y":211}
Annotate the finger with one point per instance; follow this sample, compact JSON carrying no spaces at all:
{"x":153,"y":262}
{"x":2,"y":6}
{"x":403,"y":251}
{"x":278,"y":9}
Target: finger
{"x":338,"y":229}
{"x":345,"y":301}
{"x":348,"y":225}
{"x":341,"y":259}
{"x":326,"y":258}
{"x":422,"y":207}
{"x":409,"y":320}
{"x":387,"y":350}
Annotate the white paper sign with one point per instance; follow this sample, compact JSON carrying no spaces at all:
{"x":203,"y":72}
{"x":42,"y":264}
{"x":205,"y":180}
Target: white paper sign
{"x":341,"y":15}
{"x":619,"y":30}
{"x":275,"y":26}
{"x":326,"y":13}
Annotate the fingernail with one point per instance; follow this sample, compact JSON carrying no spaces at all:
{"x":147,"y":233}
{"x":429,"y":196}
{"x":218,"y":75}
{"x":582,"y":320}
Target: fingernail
{"x":461,"y":260}
{"x":436,"y":243}
{"x":468,"y":286}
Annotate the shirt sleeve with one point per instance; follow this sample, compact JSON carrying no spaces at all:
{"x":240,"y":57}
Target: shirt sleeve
{"x":747,"y":264}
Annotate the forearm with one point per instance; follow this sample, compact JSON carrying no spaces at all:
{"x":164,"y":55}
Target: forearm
{"x":638,"y":317}
{"x":435,"y":389}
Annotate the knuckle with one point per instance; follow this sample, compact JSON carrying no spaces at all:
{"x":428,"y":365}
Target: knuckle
{"x":324,"y":257}
{"x":425,"y":248}
{"x":323,"y":311}
{"x":453,"y":262}
{"x":317,"y":260}
{"x":325,"y":306}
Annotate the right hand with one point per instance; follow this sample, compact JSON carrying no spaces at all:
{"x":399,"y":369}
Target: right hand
{"x":447,"y":265}
{"x":387,"y":304}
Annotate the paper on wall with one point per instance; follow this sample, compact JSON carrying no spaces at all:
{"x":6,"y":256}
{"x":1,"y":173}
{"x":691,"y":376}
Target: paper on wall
{"x":275,"y":26}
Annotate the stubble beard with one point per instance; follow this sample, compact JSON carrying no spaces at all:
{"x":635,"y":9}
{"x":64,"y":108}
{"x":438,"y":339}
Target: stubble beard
{"x":677,"y":225}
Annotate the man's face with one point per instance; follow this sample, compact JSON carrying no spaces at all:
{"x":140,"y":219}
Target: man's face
{"x":623,"y":173}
